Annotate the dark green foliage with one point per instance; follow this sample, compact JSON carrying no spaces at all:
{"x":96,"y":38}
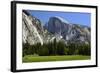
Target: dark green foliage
{"x":43,"y":50}
{"x":25,"y":49}
{"x":60,"y":48}
{"x":84,"y":50}
{"x":71,"y":49}
{"x":56,"y":48}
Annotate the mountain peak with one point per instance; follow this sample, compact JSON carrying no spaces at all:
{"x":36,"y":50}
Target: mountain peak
{"x":69,"y":32}
{"x":62,"y":19}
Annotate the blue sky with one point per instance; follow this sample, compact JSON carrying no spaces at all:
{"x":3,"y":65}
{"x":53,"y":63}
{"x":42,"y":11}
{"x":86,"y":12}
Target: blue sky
{"x":71,"y":17}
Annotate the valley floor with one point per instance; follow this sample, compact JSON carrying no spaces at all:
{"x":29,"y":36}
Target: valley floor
{"x":31,"y":58}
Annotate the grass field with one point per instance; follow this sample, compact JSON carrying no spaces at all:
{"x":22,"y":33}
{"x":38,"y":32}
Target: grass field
{"x":31,"y":58}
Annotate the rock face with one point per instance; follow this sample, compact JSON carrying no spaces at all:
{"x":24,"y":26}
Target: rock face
{"x":67,"y":31}
{"x":56,"y":28}
{"x":31,"y":29}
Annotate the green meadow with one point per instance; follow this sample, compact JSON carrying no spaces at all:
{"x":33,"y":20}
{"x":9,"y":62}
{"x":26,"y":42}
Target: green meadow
{"x":31,"y":58}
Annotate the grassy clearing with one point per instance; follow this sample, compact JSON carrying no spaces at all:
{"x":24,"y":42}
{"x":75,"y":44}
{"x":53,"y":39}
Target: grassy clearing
{"x":31,"y":58}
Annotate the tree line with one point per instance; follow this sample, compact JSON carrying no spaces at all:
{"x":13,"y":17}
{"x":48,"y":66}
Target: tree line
{"x":56,"y":48}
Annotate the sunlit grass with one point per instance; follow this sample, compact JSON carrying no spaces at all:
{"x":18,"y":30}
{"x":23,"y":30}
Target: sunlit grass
{"x":31,"y":58}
